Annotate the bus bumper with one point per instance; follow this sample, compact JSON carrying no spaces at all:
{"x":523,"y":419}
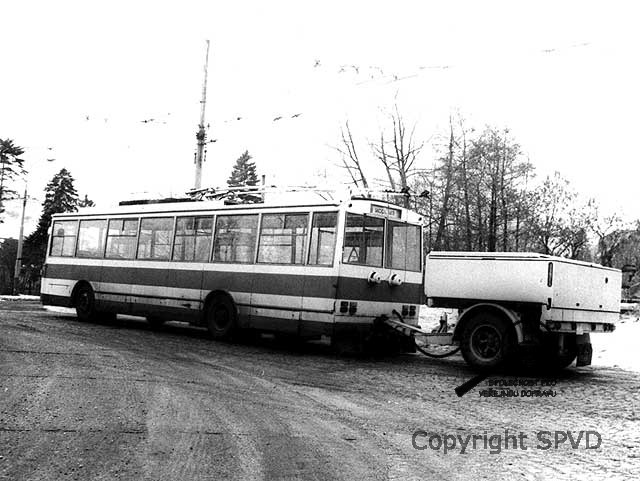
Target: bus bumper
{"x":51,"y":300}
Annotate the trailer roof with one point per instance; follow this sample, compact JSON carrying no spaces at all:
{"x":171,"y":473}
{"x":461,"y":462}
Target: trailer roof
{"x":511,"y":256}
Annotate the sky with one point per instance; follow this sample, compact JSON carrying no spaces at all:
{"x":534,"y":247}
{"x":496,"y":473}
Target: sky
{"x":111,"y":90}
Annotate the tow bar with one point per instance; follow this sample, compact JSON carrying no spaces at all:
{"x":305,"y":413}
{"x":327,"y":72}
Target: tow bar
{"x":440,"y":338}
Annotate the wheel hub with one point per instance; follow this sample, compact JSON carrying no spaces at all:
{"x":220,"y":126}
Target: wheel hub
{"x":486,"y":342}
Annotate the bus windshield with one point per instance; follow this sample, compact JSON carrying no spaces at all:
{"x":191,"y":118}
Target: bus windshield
{"x":364,"y":240}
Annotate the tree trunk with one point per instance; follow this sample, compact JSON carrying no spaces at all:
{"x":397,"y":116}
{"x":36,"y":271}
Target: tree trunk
{"x":447,"y":190}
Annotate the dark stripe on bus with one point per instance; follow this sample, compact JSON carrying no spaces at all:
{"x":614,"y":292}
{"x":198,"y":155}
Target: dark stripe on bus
{"x":330,"y":287}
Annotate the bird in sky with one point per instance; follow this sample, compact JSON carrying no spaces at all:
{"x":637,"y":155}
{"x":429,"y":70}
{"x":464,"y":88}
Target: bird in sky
{"x":277,"y":118}
{"x":296,"y":115}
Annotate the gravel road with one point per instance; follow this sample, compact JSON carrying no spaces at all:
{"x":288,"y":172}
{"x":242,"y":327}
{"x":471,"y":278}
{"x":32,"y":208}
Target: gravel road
{"x":93,"y":401}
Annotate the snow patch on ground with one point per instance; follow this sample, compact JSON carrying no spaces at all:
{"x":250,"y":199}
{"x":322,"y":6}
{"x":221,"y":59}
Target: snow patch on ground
{"x":61,"y":310}
{"x":430,"y":317}
{"x":20,"y":297}
{"x":619,"y":348}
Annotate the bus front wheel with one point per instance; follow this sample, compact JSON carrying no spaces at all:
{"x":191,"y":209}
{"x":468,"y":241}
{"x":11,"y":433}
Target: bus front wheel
{"x":85,"y":303}
{"x":221,"y":317}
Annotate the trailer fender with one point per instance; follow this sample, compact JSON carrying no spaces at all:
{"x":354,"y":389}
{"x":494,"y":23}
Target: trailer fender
{"x":469,"y":312}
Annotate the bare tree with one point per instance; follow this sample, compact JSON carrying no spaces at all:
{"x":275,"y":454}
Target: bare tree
{"x":448,"y":182}
{"x":612,"y":233}
{"x":399,"y":154}
{"x":381,"y":154}
{"x":350,"y":160}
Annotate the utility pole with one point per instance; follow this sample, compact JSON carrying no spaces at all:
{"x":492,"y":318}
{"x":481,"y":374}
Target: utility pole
{"x":201,"y":135}
{"x":18,"y":266}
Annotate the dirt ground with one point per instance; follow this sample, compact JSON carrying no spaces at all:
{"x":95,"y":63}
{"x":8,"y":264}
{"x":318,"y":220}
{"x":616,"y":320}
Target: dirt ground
{"x":93,"y":401}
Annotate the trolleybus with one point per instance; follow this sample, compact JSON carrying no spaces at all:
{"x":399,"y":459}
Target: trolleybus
{"x":308,"y":269}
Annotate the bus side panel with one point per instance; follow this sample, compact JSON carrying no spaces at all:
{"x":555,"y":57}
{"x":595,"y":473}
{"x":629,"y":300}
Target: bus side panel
{"x":276,"y":299}
{"x":318,"y":303}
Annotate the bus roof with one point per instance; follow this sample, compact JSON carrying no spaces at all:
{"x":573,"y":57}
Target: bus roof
{"x":374,"y":206}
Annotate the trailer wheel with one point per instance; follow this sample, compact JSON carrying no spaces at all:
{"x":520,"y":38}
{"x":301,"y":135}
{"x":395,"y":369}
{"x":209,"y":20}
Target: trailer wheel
{"x":487,"y":341}
{"x":555,"y":359}
{"x":221,"y":316}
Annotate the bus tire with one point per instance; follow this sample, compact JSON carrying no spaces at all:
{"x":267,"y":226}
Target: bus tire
{"x":84,"y":300}
{"x":487,"y":341}
{"x":221,"y":317}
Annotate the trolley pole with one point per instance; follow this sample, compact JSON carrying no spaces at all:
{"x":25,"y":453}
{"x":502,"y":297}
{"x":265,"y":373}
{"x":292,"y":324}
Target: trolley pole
{"x":18,"y":266}
{"x":201,"y":135}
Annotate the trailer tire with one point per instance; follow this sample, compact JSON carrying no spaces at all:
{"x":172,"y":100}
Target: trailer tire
{"x":221,"y":317}
{"x":487,"y":341}
{"x":556,"y":360}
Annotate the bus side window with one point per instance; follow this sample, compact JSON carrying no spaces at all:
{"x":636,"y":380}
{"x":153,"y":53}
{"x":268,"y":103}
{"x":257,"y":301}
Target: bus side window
{"x":63,"y":242}
{"x":323,"y":238}
{"x":121,"y":239}
{"x":155,"y":238}
{"x":193,"y":239}
{"x":283,"y":238}
{"x":235,"y":238}
{"x":91,"y":238}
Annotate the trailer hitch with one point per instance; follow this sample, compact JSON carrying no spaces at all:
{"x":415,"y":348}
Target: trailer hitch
{"x":411,"y":331}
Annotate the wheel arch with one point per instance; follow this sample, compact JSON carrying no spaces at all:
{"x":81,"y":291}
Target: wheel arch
{"x":488,"y":307}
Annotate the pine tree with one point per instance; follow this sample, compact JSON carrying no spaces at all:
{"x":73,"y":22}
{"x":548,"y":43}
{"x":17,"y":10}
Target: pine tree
{"x":244,"y":174}
{"x":86,"y":202}
{"x":60,"y":196}
{"x":11,"y":166}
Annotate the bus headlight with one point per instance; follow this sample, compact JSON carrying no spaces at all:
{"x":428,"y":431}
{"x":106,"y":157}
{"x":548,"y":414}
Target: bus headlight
{"x":374,"y":278}
{"x":395,"y":280}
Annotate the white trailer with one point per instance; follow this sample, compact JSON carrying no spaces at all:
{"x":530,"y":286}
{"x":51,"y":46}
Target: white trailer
{"x":535,"y":307}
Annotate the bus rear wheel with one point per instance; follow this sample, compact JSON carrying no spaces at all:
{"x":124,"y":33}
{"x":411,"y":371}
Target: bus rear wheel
{"x":221,"y":317}
{"x":487,"y":341}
